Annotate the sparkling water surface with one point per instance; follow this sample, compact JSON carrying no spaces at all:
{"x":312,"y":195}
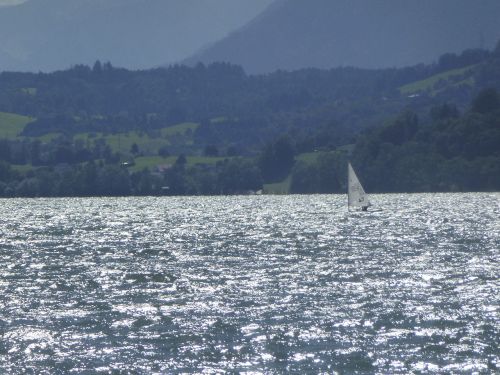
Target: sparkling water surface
{"x":261,"y":284}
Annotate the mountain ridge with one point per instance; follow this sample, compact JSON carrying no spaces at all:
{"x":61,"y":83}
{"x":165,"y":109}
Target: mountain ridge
{"x":56,"y":34}
{"x":291,"y":35}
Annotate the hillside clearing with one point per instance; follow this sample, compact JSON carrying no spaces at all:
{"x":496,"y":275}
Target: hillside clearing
{"x":12,"y":124}
{"x":431,"y":84}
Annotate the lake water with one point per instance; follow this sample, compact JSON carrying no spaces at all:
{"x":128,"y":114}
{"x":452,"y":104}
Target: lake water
{"x":261,"y":284}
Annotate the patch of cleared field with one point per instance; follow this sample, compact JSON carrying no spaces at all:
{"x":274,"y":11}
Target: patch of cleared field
{"x":148,"y":143}
{"x":122,"y":142}
{"x":346,"y":148}
{"x":29,"y":91}
{"x":152,"y":162}
{"x":12,"y":124}
{"x":180,"y":129}
{"x":282,"y":187}
{"x":431,"y":84}
{"x":22,"y":168}
{"x":208,"y":160}
{"x":308,"y":157}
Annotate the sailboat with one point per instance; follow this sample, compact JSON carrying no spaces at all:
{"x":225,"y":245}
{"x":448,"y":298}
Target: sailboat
{"x":356,"y":195}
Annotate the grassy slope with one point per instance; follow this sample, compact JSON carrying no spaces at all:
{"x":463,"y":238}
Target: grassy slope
{"x":11,"y":124}
{"x":122,"y":142}
{"x":179,"y":129}
{"x":283,"y":187}
{"x":308,"y":157}
{"x":152,"y":162}
{"x":454,"y":77}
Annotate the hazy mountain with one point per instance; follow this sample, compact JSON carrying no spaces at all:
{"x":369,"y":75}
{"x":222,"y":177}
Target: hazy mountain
{"x":6,"y":59}
{"x":10,"y":2}
{"x":295,"y":34}
{"x":54,"y":34}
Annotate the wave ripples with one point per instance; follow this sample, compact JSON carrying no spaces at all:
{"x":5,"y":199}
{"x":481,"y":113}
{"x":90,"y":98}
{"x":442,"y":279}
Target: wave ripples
{"x":250,"y":284}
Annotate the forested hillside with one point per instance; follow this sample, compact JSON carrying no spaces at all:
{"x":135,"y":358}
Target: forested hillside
{"x":214,"y":129}
{"x":445,"y":151}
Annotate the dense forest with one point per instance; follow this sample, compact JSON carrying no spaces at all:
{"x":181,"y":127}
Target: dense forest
{"x":213,"y":129}
{"x":447,"y":152}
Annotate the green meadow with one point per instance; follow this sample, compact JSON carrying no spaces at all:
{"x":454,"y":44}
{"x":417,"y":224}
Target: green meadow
{"x":12,"y":124}
{"x":148,"y":143}
{"x":432,"y":84}
{"x":283,"y":187}
{"x":151,"y":162}
{"x":277,"y":188}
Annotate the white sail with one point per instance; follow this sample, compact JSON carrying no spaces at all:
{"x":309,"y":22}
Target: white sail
{"x":356,"y":196}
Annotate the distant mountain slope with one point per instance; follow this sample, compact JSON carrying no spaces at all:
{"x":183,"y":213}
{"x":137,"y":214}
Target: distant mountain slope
{"x":54,"y":34}
{"x":6,"y":59}
{"x":294,"y":34}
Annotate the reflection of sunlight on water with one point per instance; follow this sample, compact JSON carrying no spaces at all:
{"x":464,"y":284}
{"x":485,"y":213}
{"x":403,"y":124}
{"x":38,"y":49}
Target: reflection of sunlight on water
{"x":250,"y":284}
{"x":29,"y":334}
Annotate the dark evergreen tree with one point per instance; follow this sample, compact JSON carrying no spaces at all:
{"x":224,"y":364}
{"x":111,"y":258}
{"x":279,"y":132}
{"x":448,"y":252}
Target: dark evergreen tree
{"x":277,"y":159}
{"x":211,"y":150}
{"x":486,"y":101}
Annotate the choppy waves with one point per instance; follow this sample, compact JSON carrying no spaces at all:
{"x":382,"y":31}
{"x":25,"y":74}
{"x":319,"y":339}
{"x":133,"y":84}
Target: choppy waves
{"x":250,"y":284}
